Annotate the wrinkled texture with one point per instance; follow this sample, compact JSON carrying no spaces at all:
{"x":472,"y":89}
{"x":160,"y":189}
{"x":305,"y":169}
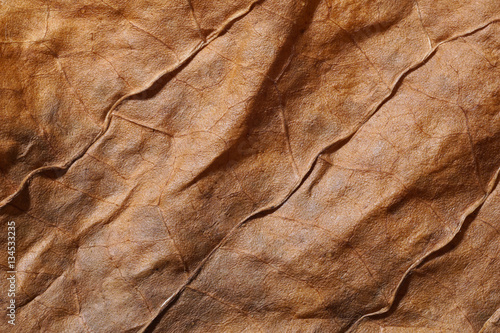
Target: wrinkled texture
{"x":256,"y":166}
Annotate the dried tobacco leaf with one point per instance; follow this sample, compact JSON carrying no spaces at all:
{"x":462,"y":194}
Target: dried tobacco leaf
{"x":275,"y":166}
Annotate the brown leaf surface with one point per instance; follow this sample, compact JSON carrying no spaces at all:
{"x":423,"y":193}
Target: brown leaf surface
{"x":257,"y":166}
